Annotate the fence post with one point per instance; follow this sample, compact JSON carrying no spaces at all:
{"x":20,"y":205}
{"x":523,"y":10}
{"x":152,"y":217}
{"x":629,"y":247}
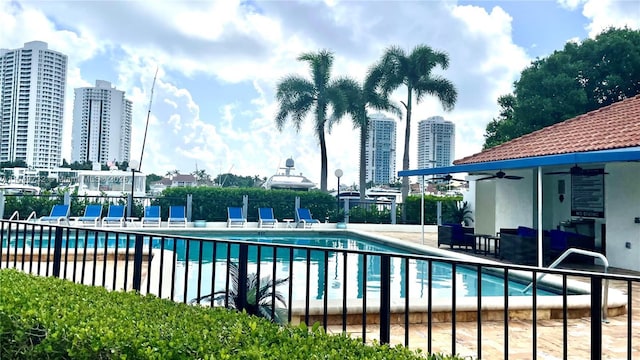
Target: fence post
{"x":245,"y":205}
{"x":57,"y":252}
{"x":439,"y":212}
{"x":596,"y":317}
{"x":385,"y":299}
{"x":137,"y":263}
{"x":393,"y":211}
{"x":129,"y":205}
{"x":2,"y":205}
{"x":189,"y":206}
{"x":346,"y":210}
{"x":243,"y":259}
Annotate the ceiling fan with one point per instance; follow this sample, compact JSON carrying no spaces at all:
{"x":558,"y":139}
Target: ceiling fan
{"x":500,"y":175}
{"x":447,"y":178}
{"x":578,"y":171}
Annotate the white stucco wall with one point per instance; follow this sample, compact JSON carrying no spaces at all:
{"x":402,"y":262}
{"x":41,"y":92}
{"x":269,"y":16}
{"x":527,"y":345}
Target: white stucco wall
{"x":485,"y":211}
{"x":516,"y":201}
{"x":622,"y":205}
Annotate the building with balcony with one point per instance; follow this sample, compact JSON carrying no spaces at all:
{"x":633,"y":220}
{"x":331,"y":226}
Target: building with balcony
{"x":381,"y":150}
{"x":32,"y":89}
{"x":101,"y":125}
{"x":436,"y":142}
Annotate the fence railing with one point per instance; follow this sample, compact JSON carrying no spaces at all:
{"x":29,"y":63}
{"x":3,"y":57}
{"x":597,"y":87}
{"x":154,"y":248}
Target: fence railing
{"x":391,"y":297}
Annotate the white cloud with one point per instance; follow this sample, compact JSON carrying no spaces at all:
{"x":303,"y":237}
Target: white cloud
{"x":219,"y":62}
{"x":571,"y":4}
{"x":611,"y":13}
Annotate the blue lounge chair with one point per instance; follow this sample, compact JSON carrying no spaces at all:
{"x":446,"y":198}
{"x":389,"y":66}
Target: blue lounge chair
{"x":303,"y":216}
{"x":151,"y":216}
{"x":266,"y":218}
{"x":177,"y":216}
{"x":59,"y":214}
{"x":92,"y":215}
{"x":235,"y":218}
{"x":115,"y":216}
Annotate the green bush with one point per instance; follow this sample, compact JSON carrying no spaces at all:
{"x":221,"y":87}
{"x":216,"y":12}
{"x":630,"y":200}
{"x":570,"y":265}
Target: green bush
{"x":430,"y":208}
{"x":50,"y":318}
{"x":210,"y":203}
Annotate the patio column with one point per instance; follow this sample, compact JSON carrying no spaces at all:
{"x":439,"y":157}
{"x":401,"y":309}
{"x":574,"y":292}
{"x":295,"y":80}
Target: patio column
{"x":540,"y":231}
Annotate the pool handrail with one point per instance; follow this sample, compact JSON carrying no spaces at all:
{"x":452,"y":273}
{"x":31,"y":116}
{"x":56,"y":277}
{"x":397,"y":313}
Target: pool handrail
{"x":15,"y":216}
{"x":594,"y":254}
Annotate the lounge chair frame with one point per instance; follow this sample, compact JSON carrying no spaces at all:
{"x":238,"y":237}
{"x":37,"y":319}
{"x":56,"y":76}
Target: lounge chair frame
{"x":304,"y":218}
{"x":266,"y":218}
{"x":177,"y":217}
{"x":235,"y":217}
{"x":115,"y":216}
{"x":152,"y":217}
{"x":59,"y":214}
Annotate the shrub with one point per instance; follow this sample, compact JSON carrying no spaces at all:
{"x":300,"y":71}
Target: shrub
{"x":50,"y":318}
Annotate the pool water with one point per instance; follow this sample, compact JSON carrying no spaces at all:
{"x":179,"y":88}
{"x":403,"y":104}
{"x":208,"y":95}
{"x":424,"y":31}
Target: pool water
{"x":361,"y":269}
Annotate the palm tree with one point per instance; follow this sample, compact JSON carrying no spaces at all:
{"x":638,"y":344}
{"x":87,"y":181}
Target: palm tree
{"x":359,"y":99}
{"x":260,"y":295}
{"x":414,"y":71}
{"x":298,"y":96}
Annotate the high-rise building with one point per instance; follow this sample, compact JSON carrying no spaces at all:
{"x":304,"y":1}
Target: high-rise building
{"x":436,"y":142}
{"x":33,"y":81}
{"x":101,"y":125}
{"x":381,"y":149}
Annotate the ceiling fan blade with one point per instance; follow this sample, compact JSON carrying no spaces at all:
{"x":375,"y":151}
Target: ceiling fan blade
{"x":557,"y":173}
{"x":513,"y":177}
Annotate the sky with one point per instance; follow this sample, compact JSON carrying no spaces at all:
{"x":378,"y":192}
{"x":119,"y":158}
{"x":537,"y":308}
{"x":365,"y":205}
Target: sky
{"x":218,"y":64}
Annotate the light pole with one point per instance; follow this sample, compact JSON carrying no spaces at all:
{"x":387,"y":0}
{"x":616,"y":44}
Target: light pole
{"x":133,"y":165}
{"x":338,"y":174}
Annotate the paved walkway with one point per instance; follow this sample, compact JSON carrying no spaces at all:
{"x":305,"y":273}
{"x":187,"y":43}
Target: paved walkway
{"x":549,"y":332}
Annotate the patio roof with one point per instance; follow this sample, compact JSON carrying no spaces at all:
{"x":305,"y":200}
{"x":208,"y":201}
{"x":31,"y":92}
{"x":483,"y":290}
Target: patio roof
{"x":601,"y":156}
{"x":608,"y":134}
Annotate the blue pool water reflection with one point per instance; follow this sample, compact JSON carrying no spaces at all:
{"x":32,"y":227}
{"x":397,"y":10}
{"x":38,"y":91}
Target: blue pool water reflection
{"x":326,"y":269}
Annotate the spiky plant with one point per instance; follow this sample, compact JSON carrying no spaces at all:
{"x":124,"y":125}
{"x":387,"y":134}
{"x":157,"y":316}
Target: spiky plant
{"x":260,"y":296}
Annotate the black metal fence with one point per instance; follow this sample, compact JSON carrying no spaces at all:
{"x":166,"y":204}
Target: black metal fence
{"x":390,"y":297}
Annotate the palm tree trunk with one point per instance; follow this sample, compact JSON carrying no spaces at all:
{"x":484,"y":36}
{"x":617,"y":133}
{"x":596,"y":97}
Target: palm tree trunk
{"x":323,"y":161}
{"x":364,"y":131}
{"x":405,"y":157}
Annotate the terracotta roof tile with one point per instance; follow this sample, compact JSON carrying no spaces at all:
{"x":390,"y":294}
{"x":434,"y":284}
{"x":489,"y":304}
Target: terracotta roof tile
{"x":610,"y":127}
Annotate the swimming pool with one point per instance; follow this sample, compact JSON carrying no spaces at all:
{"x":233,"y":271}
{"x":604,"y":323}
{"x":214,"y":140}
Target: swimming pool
{"x":328,"y":275}
{"x":322,"y":272}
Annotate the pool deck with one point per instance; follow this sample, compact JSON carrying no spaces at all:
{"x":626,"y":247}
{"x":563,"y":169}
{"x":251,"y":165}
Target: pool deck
{"x":549,"y":331}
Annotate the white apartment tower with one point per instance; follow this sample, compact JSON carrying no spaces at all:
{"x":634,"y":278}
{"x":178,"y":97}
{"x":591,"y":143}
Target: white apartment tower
{"x":101,"y":125}
{"x":33,"y":81}
{"x":381,"y":149}
{"x":436,"y":142}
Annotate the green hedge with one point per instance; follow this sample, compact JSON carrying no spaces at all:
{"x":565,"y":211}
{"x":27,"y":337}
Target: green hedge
{"x":50,"y":318}
{"x":210,"y":204}
{"x":430,"y":208}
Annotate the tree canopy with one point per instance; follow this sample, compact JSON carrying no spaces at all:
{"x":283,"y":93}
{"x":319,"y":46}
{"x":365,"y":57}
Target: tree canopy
{"x":298,"y":97}
{"x":414,"y":70}
{"x":580,"y":78}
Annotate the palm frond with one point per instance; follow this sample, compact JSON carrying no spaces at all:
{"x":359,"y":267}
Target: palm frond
{"x":439,"y":87}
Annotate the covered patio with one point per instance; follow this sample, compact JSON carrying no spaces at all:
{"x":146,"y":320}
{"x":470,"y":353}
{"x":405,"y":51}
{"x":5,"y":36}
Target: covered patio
{"x":578,"y":176}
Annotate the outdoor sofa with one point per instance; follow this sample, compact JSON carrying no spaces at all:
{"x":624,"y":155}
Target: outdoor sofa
{"x":456,"y":235}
